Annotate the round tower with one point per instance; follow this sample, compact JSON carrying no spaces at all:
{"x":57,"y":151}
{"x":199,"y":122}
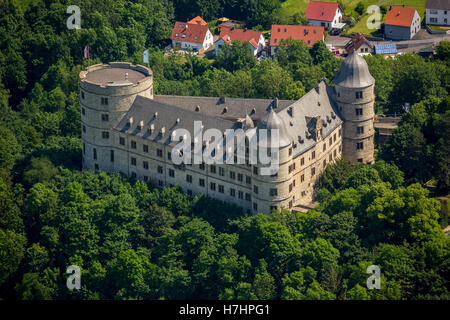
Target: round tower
{"x":354,"y":86}
{"x":272,"y":191}
{"x":106,"y":93}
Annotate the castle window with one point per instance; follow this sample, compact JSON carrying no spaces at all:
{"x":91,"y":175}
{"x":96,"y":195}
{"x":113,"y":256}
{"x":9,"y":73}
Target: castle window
{"x":302,"y":178}
{"x":359,"y":111}
{"x":171,"y":173}
{"x":122,"y":141}
{"x":313,"y":171}
{"x":255,"y":206}
{"x":82,"y":95}
{"x":201,"y":166}
{"x":133,"y":144}
{"x":221,"y":171}
{"x":240,"y":195}
{"x":160,"y":169}
{"x":313,"y":155}
{"x":232,"y":192}
{"x":212,"y":186}
{"x":273,"y":192}
{"x":159,"y":153}
{"x":255,"y":170}
{"x":240,"y":177}
{"x":160,"y":183}
{"x":145,"y":148}
{"x":111,"y":156}
{"x":96,"y":166}
{"x":212,"y":169}
{"x":248,"y":197}
{"x":360,"y":160}
{"x":221,"y":188}
{"x":290,"y":151}
{"x":302,"y":161}
{"x":360,"y":130}
{"x":189,"y":178}
{"x":359,"y":94}
{"x":84,"y":128}
{"x":255,"y":189}
{"x":324,"y":147}
{"x":105,"y":117}
{"x":330,"y":157}
{"x":335,"y":153}
{"x":338,"y":94}
{"x":84,"y":148}
{"x":330,"y":142}
{"x":95,"y":154}
{"x":334,"y":137}
{"x":169,"y":155}
{"x":324,"y":163}
{"x":133,"y":161}
{"x":359,"y":146}
{"x":145,"y":164}
{"x":290,"y":187}
{"x":104,"y":101}
{"x":83,"y":111}
{"x":340,"y":131}
{"x":201,"y":182}
{"x":232,"y":175}
{"x":248,"y":180}
{"x":105,"y":134}
{"x":273,"y":208}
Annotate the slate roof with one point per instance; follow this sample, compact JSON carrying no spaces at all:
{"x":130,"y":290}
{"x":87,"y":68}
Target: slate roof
{"x":438,"y":4}
{"x":294,"y":117}
{"x":305,"y":33}
{"x":400,"y":16}
{"x":189,"y":32}
{"x":322,"y":11}
{"x":354,"y":72}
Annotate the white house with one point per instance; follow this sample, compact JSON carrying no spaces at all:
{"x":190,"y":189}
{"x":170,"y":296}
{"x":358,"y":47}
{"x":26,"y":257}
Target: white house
{"x":438,"y":12}
{"x":325,"y":14}
{"x":191,"y":36}
{"x":255,"y":39}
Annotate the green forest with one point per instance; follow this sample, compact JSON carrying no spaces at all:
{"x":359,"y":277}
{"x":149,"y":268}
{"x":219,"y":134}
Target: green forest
{"x":135,"y":241}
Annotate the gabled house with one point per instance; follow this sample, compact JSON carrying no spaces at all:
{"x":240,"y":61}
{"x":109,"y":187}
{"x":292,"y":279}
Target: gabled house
{"x":438,"y":12}
{"x":255,"y":39}
{"x":360,"y":44}
{"x":325,"y":14}
{"x":191,"y":36}
{"x":198,"y":20}
{"x":401,"y":23}
{"x":308,"y":34}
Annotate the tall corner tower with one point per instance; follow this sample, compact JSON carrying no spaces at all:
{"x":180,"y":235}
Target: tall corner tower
{"x":106,"y":93}
{"x":354,"y":86}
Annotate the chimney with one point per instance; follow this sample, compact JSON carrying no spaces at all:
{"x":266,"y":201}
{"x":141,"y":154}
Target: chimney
{"x":275,"y":103}
{"x":163,"y":131}
{"x":141,"y":125}
{"x":151,"y":129}
{"x":130,"y":121}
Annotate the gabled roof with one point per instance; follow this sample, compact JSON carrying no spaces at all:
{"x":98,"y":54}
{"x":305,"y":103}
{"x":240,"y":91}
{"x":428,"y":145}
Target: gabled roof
{"x":356,"y":42}
{"x":305,"y":33}
{"x":400,"y":16}
{"x":438,"y":4}
{"x":320,"y":10}
{"x":242,"y":35}
{"x":189,"y":32}
{"x":198,"y":20}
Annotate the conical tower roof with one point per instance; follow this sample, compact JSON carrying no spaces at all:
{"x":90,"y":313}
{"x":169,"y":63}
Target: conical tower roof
{"x":354,"y":73}
{"x":272,"y":121}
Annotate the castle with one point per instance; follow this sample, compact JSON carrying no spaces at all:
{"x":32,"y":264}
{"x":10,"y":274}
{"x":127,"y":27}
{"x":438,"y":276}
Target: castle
{"x":128,"y":129}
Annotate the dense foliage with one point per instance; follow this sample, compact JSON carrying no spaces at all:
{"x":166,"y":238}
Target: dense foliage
{"x":133,"y":241}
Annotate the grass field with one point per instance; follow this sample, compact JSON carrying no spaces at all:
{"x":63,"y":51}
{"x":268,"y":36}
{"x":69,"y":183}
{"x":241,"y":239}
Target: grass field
{"x":290,"y":7}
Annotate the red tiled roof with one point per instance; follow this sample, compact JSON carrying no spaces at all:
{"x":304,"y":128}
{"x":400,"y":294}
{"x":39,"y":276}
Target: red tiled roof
{"x":189,"y":32}
{"x":400,"y":16}
{"x":305,"y":33}
{"x":323,"y":11}
{"x":356,"y":42}
{"x":198,"y":20}
{"x":241,"y":35}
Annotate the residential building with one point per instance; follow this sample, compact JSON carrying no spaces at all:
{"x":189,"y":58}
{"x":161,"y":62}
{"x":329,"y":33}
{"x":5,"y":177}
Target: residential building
{"x":307,"y":34}
{"x":402,"y":23}
{"x":437,"y":12}
{"x":255,"y":39}
{"x":192,"y":36}
{"x":325,"y":14}
{"x":360,"y":44}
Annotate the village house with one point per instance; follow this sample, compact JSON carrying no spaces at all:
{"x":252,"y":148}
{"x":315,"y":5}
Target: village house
{"x":255,"y":39}
{"x":308,"y":34}
{"x":360,"y":44}
{"x":192,"y":36}
{"x":437,"y":12}
{"x":401,"y":23}
{"x":325,"y":14}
